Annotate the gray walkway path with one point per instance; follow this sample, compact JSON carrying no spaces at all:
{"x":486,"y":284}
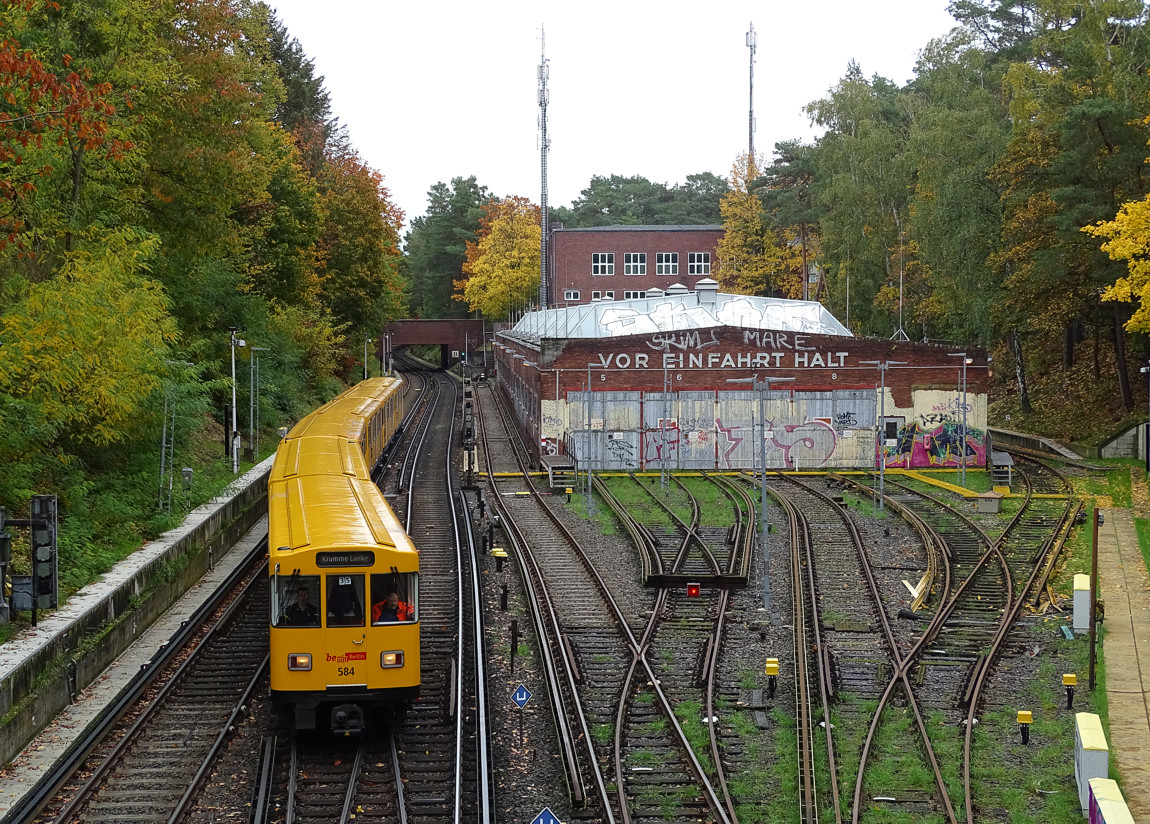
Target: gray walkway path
{"x":1125,"y":587}
{"x":18,"y":777}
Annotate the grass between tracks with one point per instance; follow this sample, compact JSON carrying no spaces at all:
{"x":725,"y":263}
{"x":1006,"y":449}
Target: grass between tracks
{"x":1011,"y":783}
{"x":604,"y":520}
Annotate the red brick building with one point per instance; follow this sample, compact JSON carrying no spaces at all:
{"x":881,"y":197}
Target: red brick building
{"x":623,"y":262}
{"x":679,"y":380}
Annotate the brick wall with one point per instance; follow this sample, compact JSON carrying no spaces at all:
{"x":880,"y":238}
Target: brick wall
{"x":570,"y":252}
{"x":831,"y":382}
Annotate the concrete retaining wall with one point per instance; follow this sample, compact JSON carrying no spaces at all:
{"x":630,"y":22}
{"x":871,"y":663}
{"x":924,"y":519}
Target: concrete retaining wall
{"x":1036,"y":443}
{"x":1129,"y":444}
{"x":73,"y":646}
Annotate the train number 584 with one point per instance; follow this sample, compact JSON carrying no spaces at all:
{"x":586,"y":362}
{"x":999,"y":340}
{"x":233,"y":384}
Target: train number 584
{"x":347,"y":670}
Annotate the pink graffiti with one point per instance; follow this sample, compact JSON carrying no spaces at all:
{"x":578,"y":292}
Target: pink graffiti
{"x":733,"y":441}
{"x":804,"y":435}
{"x":943,"y":445}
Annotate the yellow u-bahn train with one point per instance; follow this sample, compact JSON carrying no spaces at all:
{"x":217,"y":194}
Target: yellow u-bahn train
{"x":344,"y":574}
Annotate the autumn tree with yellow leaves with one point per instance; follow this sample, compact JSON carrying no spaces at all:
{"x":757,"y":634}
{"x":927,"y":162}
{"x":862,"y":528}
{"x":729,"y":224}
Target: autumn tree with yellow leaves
{"x":748,"y":253}
{"x":1128,"y":239}
{"x":502,"y":266}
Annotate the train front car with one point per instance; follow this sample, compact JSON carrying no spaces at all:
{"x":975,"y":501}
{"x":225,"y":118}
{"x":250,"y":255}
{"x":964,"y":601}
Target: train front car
{"x":344,"y":575}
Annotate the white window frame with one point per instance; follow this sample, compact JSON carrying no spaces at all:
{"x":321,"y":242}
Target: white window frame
{"x":634,"y":263}
{"x":634,"y":295}
{"x":570,"y":294}
{"x":667,"y":263}
{"x":602,"y":263}
{"x":609,"y":294}
{"x":596,"y":295}
{"x":698,"y":263}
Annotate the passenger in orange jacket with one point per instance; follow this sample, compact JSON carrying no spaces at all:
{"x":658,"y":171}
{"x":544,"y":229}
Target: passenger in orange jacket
{"x":390,"y":609}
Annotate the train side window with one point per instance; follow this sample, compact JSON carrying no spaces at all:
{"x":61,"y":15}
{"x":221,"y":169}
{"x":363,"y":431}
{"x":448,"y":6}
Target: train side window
{"x":345,"y":600}
{"x":394,"y":597}
{"x":299,"y":595}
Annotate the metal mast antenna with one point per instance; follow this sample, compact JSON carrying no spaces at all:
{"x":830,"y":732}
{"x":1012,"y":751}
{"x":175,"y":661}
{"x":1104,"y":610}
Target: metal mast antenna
{"x":752,"y":40}
{"x":544,"y":146}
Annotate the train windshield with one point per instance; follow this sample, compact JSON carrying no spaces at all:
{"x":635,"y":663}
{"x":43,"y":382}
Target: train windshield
{"x":345,"y":600}
{"x":394,"y":597}
{"x":297,"y":601}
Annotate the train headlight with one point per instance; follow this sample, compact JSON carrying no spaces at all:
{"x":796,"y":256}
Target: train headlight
{"x":299,"y":661}
{"x":391,"y":659}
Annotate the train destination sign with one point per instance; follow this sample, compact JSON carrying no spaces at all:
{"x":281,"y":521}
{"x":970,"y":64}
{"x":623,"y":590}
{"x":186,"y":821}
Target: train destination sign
{"x":345,"y":559}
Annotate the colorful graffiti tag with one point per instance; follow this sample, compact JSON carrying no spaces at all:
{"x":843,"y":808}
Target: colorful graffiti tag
{"x":810,"y":443}
{"x":942,"y":445}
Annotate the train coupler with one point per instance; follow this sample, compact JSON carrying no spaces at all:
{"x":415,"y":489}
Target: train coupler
{"x":347,"y":719}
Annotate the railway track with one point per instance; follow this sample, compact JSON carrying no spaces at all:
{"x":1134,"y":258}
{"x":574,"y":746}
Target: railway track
{"x":148,"y":759}
{"x":862,"y":660}
{"x":685,"y":629}
{"x":808,"y":644}
{"x":588,"y":628}
{"x":586,"y":623}
{"x":442,"y":741}
{"x":968,"y":631}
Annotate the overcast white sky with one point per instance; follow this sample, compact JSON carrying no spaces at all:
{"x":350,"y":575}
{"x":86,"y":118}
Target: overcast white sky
{"x":434,"y":90}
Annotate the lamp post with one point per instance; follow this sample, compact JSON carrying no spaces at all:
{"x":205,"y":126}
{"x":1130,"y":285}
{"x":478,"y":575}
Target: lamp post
{"x":366,"y":341}
{"x":882,"y":367}
{"x":664,"y":471}
{"x":235,"y":431}
{"x":588,"y":440}
{"x":1146,"y":371}
{"x":762,"y":387}
{"x":253,"y":405}
{"x":965,"y":363}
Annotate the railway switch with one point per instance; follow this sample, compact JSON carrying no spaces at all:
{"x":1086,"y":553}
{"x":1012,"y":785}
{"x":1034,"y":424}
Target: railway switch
{"x":1025,"y":718}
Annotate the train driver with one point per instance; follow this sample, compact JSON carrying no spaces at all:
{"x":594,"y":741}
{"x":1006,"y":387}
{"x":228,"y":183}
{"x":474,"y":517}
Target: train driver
{"x":303,"y":612}
{"x":389,"y":609}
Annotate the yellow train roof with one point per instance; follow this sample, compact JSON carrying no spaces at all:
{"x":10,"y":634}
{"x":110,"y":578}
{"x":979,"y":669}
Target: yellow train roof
{"x":319,"y":455}
{"x":333,"y":512}
{"x":343,"y":415}
{"x":320,"y":493}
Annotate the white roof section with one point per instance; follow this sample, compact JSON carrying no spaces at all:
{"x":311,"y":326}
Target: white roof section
{"x":677,"y":309}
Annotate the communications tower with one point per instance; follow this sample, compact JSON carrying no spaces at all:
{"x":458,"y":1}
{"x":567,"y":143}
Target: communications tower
{"x":752,"y":40}
{"x":544,"y":146}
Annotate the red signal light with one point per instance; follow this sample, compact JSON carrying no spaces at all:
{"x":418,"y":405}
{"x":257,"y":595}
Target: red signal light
{"x":692,"y":590}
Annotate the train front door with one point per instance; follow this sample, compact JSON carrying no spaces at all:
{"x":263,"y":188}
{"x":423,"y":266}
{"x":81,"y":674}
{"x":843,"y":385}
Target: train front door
{"x":346,"y":658}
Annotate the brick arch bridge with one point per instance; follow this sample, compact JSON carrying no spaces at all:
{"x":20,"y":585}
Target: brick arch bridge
{"x":458,"y":335}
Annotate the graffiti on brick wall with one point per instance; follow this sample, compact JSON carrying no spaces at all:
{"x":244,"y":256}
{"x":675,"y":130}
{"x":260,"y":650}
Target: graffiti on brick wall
{"x":950,"y":411}
{"x":917,"y":445}
{"x":666,"y":341}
